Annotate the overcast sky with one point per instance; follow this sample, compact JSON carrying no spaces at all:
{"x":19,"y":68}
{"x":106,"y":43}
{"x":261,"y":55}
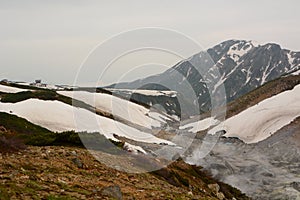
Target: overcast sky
{"x":50,"y":39}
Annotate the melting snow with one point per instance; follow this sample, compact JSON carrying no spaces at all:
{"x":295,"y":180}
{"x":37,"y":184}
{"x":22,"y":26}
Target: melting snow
{"x":296,"y":72}
{"x":58,"y":117}
{"x":146,"y":92}
{"x":134,"y":149}
{"x":197,"y":126}
{"x":267,"y":72}
{"x":254,"y":43}
{"x":264,"y":119}
{"x":235,"y":53}
{"x":9,"y":89}
{"x":119,"y":107}
{"x":290,"y":58}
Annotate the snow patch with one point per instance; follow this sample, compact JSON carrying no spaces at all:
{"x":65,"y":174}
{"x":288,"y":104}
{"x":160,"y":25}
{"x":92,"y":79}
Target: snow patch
{"x":146,"y":92}
{"x":262,"y":120}
{"x":134,"y":149}
{"x":119,"y":107}
{"x":58,"y":117}
{"x":201,"y":125}
{"x":290,"y":58}
{"x":9,"y":89}
{"x":237,"y":50}
{"x":296,"y":72}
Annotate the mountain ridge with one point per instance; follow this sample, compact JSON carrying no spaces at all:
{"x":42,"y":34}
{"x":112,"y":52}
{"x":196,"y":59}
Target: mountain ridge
{"x":239,"y":65}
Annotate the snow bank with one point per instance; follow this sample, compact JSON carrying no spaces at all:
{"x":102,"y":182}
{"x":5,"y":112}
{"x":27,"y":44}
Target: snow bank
{"x":134,"y":149}
{"x":119,"y":107}
{"x":9,"y":89}
{"x":264,"y":119}
{"x":296,"y":73}
{"x":58,"y":117}
{"x":197,"y":126}
{"x":146,"y":92}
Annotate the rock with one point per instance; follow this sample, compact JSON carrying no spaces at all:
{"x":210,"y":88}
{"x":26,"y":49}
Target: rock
{"x":220,"y":196}
{"x":214,"y":187}
{"x":3,"y":129}
{"x":62,"y":181}
{"x":77,"y":162}
{"x":44,"y":156}
{"x":113,"y":192}
{"x":296,"y":186}
{"x":62,"y":152}
{"x":74,"y":153}
{"x":267,"y":174}
{"x":176,"y":157}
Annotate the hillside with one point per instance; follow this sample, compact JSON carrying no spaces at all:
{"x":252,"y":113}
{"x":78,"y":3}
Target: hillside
{"x":139,"y":130}
{"x":267,"y":168}
{"x":253,"y":101}
{"x":58,"y":168}
{"x":263,"y":119}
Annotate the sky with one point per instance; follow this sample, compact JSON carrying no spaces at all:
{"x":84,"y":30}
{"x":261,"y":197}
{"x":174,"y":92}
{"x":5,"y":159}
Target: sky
{"x":51,"y":39}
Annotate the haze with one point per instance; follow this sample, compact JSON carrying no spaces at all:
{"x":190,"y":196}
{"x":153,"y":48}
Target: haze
{"x":49,"y":40}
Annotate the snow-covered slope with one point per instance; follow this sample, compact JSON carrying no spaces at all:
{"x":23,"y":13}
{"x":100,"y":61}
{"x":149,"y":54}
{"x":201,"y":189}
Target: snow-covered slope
{"x":296,"y":72}
{"x":57,"y":116}
{"x":200,"y":125}
{"x":119,"y":107}
{"x":9,"y":89}
{"x":265,"y":118}
{"x":145,"y":92}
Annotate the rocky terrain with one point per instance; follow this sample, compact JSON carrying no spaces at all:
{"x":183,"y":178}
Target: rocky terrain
{"x":239,"y":66}
{"x":266,"y":170}
{"x":57,"y":172}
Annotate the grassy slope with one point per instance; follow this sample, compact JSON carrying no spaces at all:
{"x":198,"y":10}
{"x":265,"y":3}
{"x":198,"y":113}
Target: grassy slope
{"x":20,"y":132}
{"x":266,"y":91}
{"x":43,"y":95}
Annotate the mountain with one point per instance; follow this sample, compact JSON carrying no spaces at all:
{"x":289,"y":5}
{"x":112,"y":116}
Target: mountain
{"x":239,"y":65}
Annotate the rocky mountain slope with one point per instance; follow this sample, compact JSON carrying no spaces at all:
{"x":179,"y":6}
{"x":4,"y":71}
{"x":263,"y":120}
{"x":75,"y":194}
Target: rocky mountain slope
{"x":240,"y":65}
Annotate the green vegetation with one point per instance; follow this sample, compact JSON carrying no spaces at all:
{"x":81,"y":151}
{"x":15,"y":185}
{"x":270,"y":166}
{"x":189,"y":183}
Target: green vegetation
{"x":28,"y":87}
{"x":43,"y":95}
{"x":20,"y":125}
{"x":39,"y":94}
{"x":20,"y":132}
